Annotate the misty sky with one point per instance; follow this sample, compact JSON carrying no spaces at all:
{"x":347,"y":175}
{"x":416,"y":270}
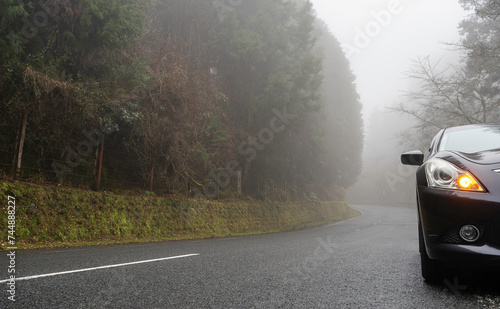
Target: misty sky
{"x":381,"y":37}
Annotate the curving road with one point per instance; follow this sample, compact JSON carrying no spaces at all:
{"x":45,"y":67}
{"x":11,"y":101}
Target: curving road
{"x":370,"y":261}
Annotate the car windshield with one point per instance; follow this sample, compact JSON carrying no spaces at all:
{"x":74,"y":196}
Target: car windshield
{"x":471,"y":140}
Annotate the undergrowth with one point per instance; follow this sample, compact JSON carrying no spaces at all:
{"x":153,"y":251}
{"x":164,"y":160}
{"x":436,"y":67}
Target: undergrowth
{"x":58,"y":217}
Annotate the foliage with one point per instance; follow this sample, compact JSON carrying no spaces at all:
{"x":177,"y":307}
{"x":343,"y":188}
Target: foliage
{"x":184,"y":133}
{"x":10,"y":40}
{"x":181,"y":91}
{"x":63,"y":68}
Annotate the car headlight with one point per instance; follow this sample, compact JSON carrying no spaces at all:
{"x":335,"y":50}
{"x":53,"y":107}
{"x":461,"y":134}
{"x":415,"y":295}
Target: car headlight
{"x":445,"y":175}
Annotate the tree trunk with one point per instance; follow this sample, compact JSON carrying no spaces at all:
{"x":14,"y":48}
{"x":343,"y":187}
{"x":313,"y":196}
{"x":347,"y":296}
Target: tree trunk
{"x":16,"y":147}
{"x":239,"y":184}
{"x":97,"y":184}
{"x":285,"y":192}
{"x":151,"y":178}
{"x":21,"y":145}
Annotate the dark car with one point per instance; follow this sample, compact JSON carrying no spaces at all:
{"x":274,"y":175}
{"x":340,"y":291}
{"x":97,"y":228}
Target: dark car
{"x":458,"y":198}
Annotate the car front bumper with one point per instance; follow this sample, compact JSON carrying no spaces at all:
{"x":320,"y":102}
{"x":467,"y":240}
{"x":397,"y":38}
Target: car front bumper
{"x":444,"y":212}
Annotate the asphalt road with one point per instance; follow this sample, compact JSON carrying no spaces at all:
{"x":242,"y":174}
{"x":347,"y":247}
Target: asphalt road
{"x":370,"y":261}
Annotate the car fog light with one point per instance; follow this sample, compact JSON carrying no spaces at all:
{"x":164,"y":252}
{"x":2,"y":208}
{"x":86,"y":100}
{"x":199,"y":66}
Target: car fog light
{"x":469,"y":233}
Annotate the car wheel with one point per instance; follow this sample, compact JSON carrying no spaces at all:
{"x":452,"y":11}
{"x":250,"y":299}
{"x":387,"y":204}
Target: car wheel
{"x":433,"y":271}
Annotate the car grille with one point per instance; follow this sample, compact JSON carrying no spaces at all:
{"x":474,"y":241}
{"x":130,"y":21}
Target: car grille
{"x":451,"y":237}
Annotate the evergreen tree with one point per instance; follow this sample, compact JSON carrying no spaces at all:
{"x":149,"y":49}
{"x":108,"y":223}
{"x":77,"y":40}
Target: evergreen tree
{"x":62,"y":63}
{"x":265,"y":59}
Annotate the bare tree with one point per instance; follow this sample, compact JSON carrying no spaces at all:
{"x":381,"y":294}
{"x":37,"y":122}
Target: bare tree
{"x":467,"y":93}
{"x":449,"y":96}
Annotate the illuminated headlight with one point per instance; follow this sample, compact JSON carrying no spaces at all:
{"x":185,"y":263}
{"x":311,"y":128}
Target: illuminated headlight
{"x":444,"y":175}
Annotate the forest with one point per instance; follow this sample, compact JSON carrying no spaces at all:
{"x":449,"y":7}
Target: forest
{"x":193,"y":97}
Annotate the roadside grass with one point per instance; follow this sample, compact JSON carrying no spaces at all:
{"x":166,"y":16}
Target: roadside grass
{"x":50,"y":217}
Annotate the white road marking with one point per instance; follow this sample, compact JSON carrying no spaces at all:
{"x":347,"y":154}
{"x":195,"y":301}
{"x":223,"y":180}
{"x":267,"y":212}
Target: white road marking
{"x":99,"y":267}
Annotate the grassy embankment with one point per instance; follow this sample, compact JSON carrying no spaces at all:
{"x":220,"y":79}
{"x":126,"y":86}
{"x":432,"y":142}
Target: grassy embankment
{"x":59,"y":217}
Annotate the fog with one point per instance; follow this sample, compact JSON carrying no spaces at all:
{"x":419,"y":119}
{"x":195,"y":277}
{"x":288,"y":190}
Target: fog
{"x":224,"y":72}
{"x":380,"y":39}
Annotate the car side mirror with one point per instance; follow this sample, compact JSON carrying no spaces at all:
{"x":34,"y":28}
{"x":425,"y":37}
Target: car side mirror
{"x":415,"y":157}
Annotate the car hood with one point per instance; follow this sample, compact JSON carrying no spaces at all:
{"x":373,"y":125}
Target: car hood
{"x":484,"y":157}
